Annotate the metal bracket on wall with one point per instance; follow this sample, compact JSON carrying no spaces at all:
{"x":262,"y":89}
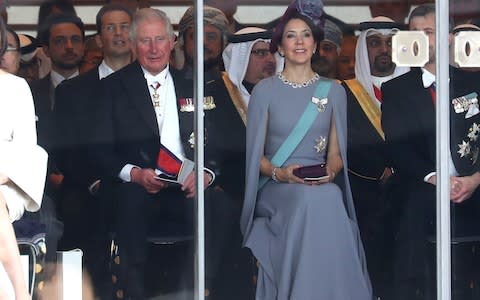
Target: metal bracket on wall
{"x":410,"y":49}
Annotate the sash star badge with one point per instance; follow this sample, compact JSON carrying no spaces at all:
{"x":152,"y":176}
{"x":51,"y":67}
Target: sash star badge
{"x":320,"y":103}
{"x":473,"y":132}
{"x":464,"y":149}
{"x":321,"y":144}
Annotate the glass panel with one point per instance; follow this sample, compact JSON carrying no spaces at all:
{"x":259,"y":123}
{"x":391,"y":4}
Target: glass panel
{"x":301,"y":251}
{"x":389,"y":167}
{"x":464,"y":74}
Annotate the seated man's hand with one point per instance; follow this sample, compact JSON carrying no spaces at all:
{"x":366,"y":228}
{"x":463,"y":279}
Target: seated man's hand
{"x":189,"y":184}
{"x":462,"y":188}
{"x":146,"y":178}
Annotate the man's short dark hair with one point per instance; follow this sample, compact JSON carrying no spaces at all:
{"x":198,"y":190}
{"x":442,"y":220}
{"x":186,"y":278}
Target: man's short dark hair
{"x":109,"y":8}
{"x":422,"y":11}
{"x":55,"y":19}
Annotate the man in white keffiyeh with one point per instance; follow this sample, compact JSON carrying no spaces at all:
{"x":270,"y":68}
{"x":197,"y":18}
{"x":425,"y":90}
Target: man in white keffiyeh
{"x":248,"y":60}
{"x":369,"y":166}
{"x":373,"y":54}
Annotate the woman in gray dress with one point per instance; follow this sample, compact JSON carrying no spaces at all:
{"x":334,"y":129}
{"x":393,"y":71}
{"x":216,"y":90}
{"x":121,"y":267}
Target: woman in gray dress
{"x":303,"y":233}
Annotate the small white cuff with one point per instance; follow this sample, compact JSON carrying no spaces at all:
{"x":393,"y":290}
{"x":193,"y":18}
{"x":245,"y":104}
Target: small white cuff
{"x":429,"y":175}
{"x":212,"y":175}
{"x":125,"y":172}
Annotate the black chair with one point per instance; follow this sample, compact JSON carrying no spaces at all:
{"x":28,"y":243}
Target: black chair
{"x":30,"y":237}
{"x":166,"y":235}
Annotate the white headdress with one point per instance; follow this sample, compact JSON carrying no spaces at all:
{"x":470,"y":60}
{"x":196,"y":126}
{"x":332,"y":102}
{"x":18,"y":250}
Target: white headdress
{"x":378,"y":25}
{"x":237,"y":54}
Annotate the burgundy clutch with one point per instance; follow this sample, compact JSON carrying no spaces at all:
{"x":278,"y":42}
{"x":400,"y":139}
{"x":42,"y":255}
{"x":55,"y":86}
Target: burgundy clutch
{"x":312,"y":173}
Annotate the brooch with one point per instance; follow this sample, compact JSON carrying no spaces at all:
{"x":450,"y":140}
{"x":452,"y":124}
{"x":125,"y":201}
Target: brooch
{"x":467,"y":103}
{"x":321,"y":144}
{"x":465,"y":149}
{"x":320,"y":103}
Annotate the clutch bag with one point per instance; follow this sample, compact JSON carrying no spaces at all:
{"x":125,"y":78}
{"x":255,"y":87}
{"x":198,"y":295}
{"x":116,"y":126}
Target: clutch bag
{"x":312,"y":173}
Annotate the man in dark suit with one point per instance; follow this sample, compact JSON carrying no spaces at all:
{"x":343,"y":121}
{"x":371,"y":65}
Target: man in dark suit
{"x":224,"y":141}
{"x":62,"y":39}
{"x":369,"y":166}
{"x":408,"y":120}
{"x":76,"y":103}
{"x":138,"y":116}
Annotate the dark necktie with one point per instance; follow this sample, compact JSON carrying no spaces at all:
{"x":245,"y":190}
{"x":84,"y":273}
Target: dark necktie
{"x":433,"y":92}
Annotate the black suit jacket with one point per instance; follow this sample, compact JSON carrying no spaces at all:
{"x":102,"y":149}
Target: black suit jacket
{"x":126,"y":126}
{"x":43,"y":92}
{"x":224,"y":132}
{"x":76,"y":104}
{"x":408,"y":120}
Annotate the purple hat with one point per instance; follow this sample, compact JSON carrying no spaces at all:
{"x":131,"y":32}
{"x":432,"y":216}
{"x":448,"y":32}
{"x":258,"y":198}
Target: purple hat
{"x":311,"y":9}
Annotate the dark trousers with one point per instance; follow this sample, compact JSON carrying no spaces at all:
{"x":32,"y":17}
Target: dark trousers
{"x":415,"y":233}
{"x":86,"y":227}
{"x":372,"y":206}
{"x":139,"y":212}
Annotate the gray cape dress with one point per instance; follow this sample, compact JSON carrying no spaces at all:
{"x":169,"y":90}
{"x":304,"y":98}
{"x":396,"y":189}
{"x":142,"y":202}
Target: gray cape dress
{"x":305,"y":237}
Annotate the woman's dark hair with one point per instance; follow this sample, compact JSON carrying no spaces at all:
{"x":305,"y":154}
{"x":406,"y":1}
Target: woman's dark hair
{"x":15,"y":37}
{"x":3,"y":38}
{"x":317,"y":31}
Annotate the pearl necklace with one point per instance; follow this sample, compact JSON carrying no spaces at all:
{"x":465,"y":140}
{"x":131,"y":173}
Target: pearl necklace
{"x":298,"y":85}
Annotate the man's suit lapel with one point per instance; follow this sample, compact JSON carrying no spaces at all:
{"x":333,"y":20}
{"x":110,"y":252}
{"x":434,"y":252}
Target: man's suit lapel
{"x":137,"y":91}
{"x":423,"y":107}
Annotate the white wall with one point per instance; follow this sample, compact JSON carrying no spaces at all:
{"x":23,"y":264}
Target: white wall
{"x":245,"y":14}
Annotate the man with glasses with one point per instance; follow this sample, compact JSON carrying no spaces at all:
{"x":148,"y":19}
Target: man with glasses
{"x":77,"y":101}
{"x":369,"y":166}
{"x":247,"y":60}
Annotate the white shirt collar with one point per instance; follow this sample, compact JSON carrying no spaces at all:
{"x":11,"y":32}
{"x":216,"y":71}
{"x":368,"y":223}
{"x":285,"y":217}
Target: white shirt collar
{"x":427,"y":78}
{"x":378,"y":81}
{"x":56,"y":78}
{"x":104,"y":70}
{"x":160,"y":77}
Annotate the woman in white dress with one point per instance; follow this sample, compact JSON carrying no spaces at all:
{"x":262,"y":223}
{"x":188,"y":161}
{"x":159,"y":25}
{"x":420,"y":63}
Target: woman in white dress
{"x":22,"y":170}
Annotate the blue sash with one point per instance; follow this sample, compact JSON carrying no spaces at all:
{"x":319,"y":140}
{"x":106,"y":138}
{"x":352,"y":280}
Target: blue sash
{"x":300,"y":129}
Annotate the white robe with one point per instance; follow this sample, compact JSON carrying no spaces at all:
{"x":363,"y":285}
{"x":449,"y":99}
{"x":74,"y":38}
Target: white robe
{"x":21,"y":159}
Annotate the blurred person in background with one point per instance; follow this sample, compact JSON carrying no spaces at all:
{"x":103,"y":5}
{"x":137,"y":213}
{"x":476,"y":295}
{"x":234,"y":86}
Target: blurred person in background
{"x":325,"y":63}
{"x":29,"y":63}
{"x":92,"y":57}
{"x":10,"y":61}
{"x":346,"y":58}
